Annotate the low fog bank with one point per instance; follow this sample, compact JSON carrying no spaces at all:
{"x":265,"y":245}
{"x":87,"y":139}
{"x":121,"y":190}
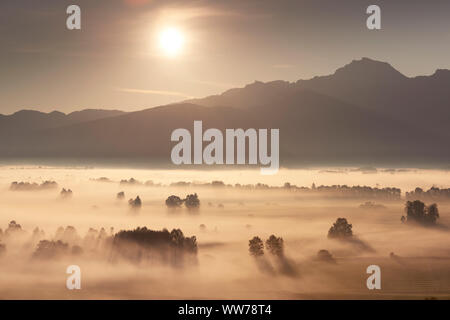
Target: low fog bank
{"x":148,"y":249}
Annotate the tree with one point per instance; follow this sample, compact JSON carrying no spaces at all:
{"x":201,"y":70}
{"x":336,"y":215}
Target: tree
{"x":67,"y":235}
{"x":256,"y":247}
{"x":275,"y":246}
{"x":13,"y":228}
{"x":192,"y":201}
{"x":147,"y":238}
{"x":136,"y":203}
{"x":417,"y":211}
{"x":174,"y":202}
{"x":131,"y":181}
{"x":177,"y":237}
{"x":66,"y":193}
{"x":432,"y":213}
{"x":340,"y":229}
{"x":120,"y":195}
{"x":190,"y":244}
{"x":50,"y":249}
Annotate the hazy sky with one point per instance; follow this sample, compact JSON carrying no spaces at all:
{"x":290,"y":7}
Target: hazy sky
{"x":115,"y":60}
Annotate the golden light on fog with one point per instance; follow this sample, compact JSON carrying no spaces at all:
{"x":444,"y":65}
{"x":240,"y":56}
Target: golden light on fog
{"x":171,"y":41}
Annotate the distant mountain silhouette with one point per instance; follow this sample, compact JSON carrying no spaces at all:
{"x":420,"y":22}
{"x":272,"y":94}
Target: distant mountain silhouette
{"x":360,"y":74}
{"x":30,"y":120}
{"x":423,"y":101}
{"x":365,"y":113}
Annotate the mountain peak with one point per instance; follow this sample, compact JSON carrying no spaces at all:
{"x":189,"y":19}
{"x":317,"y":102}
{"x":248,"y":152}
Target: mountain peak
{"x":442,"y":73}
{"x":368,"y":68}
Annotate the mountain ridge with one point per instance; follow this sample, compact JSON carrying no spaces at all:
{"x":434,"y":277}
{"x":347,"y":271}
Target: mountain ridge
{"x":364,"y":113}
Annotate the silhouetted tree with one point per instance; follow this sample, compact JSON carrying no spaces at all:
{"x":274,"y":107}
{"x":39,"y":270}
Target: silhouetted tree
{"x":417,"y":211}
{"x":157,"y":239}
{"x":27,"y":186}
{"x":136,"y":203}
{"x":340,"y":229}
{"x":371,"y":205}
{"x":174,"y":202}
{"x":102,"y":234}
{"x":102,"y":179}
{"x":430,"y":195}
{"x":432,"y":213}
{"x":130,"y":182}
{"x":147,"y":237}
{"x":66,"y":193}
{"x":217,"y":184}
{"x":176,"y":237}
{"x":256,"y":247}
{"x":192,"y":201}
{"x":48,"y":185}
{"x":67,"y":235}
{"x":13,"y":228}
{"x":50,"y":249}
{"x":120,"y":195}
{"x":275,"y":246}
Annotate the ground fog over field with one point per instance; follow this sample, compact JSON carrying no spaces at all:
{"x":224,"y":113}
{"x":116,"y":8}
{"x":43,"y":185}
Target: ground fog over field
{"x":171,"y":264}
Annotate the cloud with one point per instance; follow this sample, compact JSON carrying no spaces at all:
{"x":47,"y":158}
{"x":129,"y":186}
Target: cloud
{"x":156,"y":92}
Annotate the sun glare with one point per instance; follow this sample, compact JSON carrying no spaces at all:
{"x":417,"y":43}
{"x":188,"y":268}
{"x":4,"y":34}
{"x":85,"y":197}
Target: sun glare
{"x":171,"y":41}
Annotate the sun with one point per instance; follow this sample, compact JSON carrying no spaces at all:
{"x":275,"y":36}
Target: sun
{"x":171,"y":41}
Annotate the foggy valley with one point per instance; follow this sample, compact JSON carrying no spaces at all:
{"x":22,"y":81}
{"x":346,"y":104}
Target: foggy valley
{"x":217,"y":263}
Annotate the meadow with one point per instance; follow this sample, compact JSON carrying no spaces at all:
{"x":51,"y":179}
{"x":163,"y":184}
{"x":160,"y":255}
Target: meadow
{"x":414,"y":260}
